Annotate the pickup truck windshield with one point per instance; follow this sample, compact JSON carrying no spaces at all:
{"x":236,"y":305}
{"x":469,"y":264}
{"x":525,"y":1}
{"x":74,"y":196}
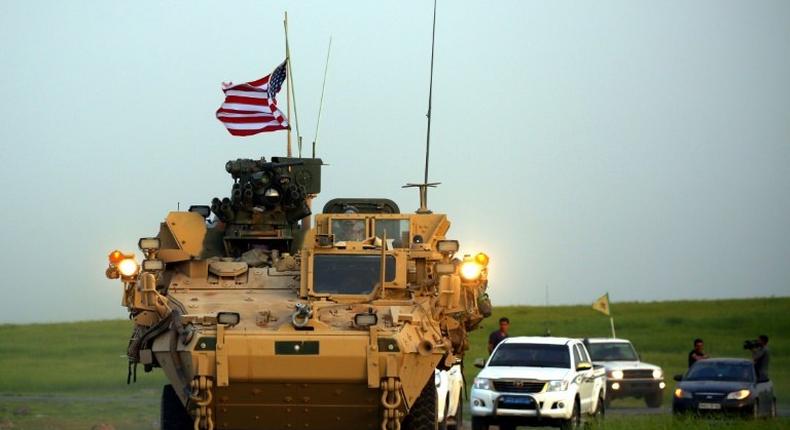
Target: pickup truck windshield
{"x":349,"y":274}
{"x":718,"y":371}
{"x":614,"y":351}
{"x":531,"y":355}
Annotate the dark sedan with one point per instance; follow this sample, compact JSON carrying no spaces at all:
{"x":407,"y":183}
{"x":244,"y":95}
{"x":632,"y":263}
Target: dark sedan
{"x":723,"y":385}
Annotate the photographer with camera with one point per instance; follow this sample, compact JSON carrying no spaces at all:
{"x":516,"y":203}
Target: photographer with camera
{"x":760,"y":356}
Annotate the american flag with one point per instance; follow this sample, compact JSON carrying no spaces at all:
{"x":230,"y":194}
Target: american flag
{"x":251,"y":108}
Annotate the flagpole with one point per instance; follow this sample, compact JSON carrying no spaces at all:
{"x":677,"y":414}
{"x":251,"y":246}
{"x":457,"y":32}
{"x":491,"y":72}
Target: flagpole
{"x":611,"y":322}
{"x":288,"y":81}
{"x":292,"y":89}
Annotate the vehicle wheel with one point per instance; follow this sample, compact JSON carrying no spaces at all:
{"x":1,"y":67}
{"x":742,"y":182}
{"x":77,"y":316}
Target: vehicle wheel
{"x":507,"y":426}
{"x":459,"y":414}
{"x":575,"y":421}
{"x":654,"y":400}
{"x":479,"y":423}
{"x":422,"y":415}
{"x":172,"y":414}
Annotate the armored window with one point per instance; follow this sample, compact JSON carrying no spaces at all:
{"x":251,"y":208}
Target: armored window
{"x":350,"y":274}
{"x":352,"y":230}
{"x":397,"y":231}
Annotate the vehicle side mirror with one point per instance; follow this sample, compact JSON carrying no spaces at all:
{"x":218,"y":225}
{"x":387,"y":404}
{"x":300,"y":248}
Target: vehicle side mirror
{"x":480,"y":363}
{"x":583,"y":365}
{"x":678,"y":378}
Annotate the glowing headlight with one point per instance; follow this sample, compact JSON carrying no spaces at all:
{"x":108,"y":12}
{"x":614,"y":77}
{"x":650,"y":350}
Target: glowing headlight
{"x":617,"y":374}
{"x":557,"y":386}
{"x":482,"y":383}
{"x":470,"y":270}
{"x":128,"y":267}
{"x":739,"y":395}
{"x":657,"y":374}
{"x":681,"y":394}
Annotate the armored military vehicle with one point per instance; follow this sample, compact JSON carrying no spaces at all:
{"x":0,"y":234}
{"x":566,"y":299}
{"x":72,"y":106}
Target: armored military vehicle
{"x":261,"y":320}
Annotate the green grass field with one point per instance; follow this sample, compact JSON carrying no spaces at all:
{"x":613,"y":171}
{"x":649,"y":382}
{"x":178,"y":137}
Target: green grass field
{"x":73,"y":375}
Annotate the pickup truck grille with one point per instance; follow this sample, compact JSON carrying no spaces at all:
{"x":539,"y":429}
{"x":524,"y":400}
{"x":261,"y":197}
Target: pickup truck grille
{"x":518,"y":386}
{"x":638,"y":374}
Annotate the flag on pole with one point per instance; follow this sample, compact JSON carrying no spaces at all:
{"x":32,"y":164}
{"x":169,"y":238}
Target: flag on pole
{"x":602,"y":304}
{"x":251,"y":108}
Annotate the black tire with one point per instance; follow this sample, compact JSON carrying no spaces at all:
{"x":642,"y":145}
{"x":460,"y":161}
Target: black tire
{"x":575,"y":421}
{"x":507,"y":426}
{"x":172,"y":414}
{"x":459,"y":414}
{"x":654,"y":400}
{"x":422,"y":415}
{"x":479,"y":423}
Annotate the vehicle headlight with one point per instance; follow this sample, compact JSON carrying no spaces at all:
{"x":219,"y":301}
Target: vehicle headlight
{"x":616,"y":374}
{"x":471,"y":270}
{"x":128,"y":267}
{"x":682,"y":394}
{"x":482,"y":383}
{"x":657,"y":374}
{"x":557,"y":386}
{"x":739,"y":395}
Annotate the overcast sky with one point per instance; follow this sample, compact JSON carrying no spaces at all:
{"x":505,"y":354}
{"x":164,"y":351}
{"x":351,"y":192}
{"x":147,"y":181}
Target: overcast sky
{"x":639,"y":148}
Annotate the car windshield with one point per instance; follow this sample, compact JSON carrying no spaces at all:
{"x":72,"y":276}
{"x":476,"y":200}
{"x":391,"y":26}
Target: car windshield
{"x":720,"y":371}
{"x":349,"y":274}
{"x":531,"y":355}
{"x":612,"y":351}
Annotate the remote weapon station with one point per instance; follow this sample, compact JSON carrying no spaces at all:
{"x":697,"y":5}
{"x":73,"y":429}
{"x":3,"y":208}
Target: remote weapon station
{"x":262,"y":319}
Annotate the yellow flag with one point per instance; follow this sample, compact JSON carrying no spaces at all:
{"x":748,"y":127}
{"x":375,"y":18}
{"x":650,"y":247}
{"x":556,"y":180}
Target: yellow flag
{"x":602,"y":304}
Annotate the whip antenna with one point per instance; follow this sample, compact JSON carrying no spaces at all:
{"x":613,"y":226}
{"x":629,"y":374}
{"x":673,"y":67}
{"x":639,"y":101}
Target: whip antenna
{"x":323,"y":87}
{"x":425,"y":184}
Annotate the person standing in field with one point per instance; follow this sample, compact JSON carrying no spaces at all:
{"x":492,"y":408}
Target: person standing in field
{"x":698,"y":353}
{"x":498,"y":335}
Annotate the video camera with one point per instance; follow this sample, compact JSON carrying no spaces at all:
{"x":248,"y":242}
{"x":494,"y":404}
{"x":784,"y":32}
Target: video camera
{"x":751,"y":344}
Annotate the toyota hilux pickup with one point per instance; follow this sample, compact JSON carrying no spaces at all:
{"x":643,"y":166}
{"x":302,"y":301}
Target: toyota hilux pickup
{"x":626,"y":374}
{"x":544,"y":381}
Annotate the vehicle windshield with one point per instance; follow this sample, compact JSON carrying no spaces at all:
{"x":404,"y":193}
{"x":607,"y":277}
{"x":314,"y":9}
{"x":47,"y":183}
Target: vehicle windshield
{"x":719,"y":371}
{"x":531,"y":355}
{"x":352,"y":230}
{"x":397,"y":231}
{"x":349,"y":274}
{"x":612,"y":351}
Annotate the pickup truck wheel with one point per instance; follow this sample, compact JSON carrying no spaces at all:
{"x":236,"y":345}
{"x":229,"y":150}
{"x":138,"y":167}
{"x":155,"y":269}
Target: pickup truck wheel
{"x":172,"y":414}
{"x":479,"y":423}
{"x":422,"y":415}
{"x":575,"y":421}
{"x":654,"y":400}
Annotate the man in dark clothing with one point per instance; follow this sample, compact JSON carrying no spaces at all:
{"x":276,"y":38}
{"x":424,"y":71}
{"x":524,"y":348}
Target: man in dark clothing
{"x":761,"y":358}
{"x":698,"y":353}
{"x":499,"y":335}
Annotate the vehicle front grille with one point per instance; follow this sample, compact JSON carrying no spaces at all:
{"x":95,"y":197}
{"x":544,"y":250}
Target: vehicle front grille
{"x":518,"y":386}
{"x":638,"y":374}
{"x":709,"y":397}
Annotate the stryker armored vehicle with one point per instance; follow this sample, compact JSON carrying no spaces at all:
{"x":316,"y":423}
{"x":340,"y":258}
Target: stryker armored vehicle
{"x":261,"y":320}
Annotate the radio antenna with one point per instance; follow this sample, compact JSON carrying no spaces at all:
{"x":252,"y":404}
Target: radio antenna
{"x":323,"y":87}
{"x":425,"y":184}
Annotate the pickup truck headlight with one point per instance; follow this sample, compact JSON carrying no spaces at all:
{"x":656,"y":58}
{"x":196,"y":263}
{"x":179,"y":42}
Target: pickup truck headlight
{"x":616,"y":374}
{"x":557,"y":386}
{"x":657,"y":374}
{"x":482,"y":383}
{"x":739,"y":395}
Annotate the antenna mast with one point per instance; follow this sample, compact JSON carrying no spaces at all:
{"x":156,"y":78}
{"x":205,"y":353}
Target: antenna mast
{"x":425,"y":184}
{"x":323,"y":87}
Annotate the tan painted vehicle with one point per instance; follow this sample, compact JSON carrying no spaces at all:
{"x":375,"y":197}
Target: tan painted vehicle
{"x":261,"y":321}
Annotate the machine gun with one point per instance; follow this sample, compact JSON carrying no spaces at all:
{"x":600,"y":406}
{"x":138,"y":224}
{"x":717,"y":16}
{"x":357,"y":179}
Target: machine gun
{"x":267,"y":202}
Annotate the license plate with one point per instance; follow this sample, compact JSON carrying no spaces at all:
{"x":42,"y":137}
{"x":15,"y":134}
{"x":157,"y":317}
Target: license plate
{"x":709,"y":406}
{"x":516,"y":400}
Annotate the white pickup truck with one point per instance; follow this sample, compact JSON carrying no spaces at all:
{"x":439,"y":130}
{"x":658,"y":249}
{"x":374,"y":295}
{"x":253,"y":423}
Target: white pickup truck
{"x":537,"y":381}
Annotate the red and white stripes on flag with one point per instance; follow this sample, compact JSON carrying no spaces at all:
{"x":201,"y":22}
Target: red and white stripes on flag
{"x":251,"y":108}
